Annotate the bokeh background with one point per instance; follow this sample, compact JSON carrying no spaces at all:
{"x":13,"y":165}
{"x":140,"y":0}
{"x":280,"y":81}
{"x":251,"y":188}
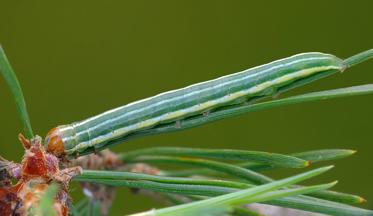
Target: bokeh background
{"x":76,"y":59}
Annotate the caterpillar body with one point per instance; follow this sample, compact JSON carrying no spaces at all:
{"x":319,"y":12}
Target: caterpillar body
{"x":197,"y":99}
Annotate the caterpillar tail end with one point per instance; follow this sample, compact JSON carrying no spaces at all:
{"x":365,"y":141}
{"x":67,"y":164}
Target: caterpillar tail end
{"x":54,"y":143}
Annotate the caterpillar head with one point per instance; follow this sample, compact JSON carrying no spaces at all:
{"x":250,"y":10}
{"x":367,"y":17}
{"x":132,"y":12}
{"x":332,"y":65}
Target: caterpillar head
{"x":54,"y":143}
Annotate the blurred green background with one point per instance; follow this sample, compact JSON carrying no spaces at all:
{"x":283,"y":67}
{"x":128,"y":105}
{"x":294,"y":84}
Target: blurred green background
{"x":76,"y":59}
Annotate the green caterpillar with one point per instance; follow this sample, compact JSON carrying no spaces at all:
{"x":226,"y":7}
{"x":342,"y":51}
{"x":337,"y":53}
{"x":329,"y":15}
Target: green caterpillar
{"x":198,"y":99}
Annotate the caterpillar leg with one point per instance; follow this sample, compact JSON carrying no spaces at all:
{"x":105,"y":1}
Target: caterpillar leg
{"x":178,"y":124}
{"x":206,"y":113}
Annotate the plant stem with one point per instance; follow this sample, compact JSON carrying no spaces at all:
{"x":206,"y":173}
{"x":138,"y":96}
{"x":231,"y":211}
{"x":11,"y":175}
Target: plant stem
{"x":358,"y":58}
